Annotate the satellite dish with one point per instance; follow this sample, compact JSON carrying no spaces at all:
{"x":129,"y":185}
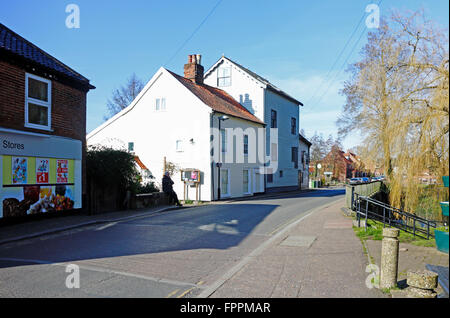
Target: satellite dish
{"x":319,"y":166}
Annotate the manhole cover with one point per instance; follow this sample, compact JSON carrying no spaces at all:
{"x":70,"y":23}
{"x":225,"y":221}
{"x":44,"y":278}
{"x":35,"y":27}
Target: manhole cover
{"x":298,"y":241}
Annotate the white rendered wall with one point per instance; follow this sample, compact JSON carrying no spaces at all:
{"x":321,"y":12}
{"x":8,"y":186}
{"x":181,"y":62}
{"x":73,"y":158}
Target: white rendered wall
{"x":155,"y":133}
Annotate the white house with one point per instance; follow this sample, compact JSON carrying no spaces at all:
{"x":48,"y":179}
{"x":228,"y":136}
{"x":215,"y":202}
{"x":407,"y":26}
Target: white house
{"x":176,"y":118}
{"x":303,"y":162}
{"x":278,"y":110}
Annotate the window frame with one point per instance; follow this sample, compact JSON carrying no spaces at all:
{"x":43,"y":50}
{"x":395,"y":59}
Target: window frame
{"x":223,"y":141}
{"x":245,"y":145}
{"x":159,"y":102}
{"x":248,"y":181}
{"x":228,"y":193}
{"x":179,"y":145}
{"x":293,"y":126}
{"x":38,"y":102}
{"x":273,"y":119}
{"x":223,"y":77}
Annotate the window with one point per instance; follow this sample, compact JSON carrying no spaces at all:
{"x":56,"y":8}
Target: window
{"x":245,"y":182}
{"x":293,"y":126}
{"x":224,"y":182}
{"x":160,"y":104}
{"x":281,"y":173}
{"x":269,"y":175}
{"x":131,"y":146}
{"x":179,"y":145}
{"x":245,"y":144}
{"x":37,"y":102}
{"x":224,"y":140}
{"x":294,"y":156}
{"x":274,"y":152}
{"x":273,"y":119}
{"x":224,"y":76}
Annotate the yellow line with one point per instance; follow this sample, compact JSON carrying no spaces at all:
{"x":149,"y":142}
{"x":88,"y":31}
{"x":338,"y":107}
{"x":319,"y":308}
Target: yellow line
{"x":172,"y":293}
{"x":187,"y":291}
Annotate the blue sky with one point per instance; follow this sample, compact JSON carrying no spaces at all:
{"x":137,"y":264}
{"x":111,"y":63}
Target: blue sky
{"x":292,"y":43}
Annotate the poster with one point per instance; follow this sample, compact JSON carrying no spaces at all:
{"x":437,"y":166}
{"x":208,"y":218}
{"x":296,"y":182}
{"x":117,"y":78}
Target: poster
{"x":62,"y":171}
{"x":42,"y":170}
{"x":36,"y":199}
{"x":19,"y":170}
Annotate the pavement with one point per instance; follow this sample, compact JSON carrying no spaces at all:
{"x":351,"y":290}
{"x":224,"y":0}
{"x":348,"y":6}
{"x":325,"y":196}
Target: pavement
{"x":411,"y":257}
{"x":317,"y":256}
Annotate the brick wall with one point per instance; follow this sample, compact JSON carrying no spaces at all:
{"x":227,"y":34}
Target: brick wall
{"x":68,"y":115}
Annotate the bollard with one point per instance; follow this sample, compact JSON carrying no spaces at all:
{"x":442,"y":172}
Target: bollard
{"x":422,"y":284}
{"x":389,"y":258}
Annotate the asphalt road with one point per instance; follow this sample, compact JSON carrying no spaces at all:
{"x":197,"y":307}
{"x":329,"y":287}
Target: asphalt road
{"x":178,"y":253}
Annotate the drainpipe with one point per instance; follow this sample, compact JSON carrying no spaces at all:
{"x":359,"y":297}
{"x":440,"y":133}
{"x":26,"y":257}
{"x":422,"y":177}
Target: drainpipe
{"x":212,"y":161}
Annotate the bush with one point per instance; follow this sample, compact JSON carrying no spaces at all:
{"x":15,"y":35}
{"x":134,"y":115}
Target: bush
{"x":147,"y":188}
{"x":107,"y":167}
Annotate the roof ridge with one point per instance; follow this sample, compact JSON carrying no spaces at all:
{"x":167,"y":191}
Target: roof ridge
{"x":240,"y":111}
{"x":264,"y":80}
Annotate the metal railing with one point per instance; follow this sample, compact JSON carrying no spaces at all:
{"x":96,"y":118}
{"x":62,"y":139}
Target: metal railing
{"x":365,"y":189}
{"x":367,"y":208}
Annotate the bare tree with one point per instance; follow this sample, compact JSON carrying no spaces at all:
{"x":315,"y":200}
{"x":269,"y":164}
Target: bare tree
{"x":397,"y":97}
{"x":123,"y":96}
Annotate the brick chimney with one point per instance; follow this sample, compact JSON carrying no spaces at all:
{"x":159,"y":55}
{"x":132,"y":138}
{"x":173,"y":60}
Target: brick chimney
{"x":193,"y":70}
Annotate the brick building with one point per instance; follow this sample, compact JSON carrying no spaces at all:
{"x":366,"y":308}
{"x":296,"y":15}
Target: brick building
{"x":42,"y":130}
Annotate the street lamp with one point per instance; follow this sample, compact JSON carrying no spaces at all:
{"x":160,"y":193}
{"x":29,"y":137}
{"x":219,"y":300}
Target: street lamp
{"x":219,"y":164}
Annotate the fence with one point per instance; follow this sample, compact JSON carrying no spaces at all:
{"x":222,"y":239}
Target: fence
{"x":364,"y":189}
{"x":368,"y":208}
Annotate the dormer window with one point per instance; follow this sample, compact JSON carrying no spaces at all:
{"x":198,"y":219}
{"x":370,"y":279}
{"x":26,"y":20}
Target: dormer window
{"x":37,"y":102}
{"x":224,"y":76}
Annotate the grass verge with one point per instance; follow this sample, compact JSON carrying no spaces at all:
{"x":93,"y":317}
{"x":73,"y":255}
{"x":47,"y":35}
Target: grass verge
{"x":375,"y":232}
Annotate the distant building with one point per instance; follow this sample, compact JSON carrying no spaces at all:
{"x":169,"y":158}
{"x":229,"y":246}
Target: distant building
{"x":342,"y":165}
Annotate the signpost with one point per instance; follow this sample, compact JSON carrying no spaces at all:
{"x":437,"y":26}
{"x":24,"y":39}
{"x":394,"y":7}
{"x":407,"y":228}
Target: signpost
{"x":191,"y":177}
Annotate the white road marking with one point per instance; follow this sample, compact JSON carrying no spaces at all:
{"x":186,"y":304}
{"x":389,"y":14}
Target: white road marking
{"x":258,"y":251}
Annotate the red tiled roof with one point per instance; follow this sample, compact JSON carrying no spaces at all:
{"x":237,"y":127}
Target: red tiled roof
{"x":140,"y":163}
{"x":217,"y":99}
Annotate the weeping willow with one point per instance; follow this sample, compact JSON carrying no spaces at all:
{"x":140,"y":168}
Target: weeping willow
{"x":398,"y":98}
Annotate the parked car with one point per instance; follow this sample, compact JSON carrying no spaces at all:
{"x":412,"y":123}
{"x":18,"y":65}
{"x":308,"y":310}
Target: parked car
{"x":365,"y":180}
{"x":355,"y":180}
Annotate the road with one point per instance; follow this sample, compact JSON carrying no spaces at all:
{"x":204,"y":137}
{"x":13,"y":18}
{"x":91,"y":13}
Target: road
{"x":179,"y":253}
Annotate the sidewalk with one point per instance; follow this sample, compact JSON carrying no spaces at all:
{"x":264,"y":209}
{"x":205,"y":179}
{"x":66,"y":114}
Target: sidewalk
{"x":411,"y":257}
{"x":31,"y":229}
{"x":318,"y":256}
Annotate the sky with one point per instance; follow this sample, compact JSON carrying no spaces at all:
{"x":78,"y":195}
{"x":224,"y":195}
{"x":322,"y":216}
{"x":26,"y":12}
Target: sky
{"x":301,"y":46}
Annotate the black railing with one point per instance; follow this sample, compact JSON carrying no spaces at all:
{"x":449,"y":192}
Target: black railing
{"x":367,"y":208}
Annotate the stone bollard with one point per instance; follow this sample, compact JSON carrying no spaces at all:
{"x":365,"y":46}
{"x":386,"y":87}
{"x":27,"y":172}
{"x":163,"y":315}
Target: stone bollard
{"x":389,"y":258}
{"x":422,"y":284}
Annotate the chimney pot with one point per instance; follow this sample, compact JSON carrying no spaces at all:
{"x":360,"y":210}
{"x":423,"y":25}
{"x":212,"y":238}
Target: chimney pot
{"x":193,"y":70}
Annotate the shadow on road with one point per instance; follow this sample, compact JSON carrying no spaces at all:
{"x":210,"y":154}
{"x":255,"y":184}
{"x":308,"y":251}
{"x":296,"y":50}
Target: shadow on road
{"x":219,"y":226}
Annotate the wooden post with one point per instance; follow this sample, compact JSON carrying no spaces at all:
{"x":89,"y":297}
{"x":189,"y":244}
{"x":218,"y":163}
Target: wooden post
{"x":164,"y":165}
